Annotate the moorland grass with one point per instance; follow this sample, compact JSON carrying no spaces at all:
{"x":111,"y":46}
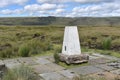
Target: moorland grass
{"x":104,"y":52}
{"x":106,"y":44}
{"x":21,"y":38}
{"x":20,"y":73}
{"x":18,"y":37}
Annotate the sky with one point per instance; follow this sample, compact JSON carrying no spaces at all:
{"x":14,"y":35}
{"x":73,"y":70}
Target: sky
{"x":59,"y":8}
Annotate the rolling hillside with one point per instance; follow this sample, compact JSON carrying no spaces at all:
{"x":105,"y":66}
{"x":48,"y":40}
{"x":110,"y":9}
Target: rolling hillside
{"x":81,"y":21}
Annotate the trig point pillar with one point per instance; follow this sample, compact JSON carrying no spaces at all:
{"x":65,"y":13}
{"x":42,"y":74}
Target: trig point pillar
{"x":71,"y":50}
{"x":71,"y":43}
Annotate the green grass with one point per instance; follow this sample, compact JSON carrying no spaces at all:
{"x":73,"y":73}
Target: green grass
{"x":25,"y":37}
{"x":47,"y":53}
{"x":20,"y":73}
{"x":24,"y":50}
{"x":106,"y":44}
{"x":13,"y":38}
{"x":104,"y":52}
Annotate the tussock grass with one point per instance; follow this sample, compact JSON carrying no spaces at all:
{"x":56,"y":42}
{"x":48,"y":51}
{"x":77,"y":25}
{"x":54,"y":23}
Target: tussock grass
{"x":20,"y":36}
{"x":106,"y":44}
{"x":24,"y":50}
{"x":20,"y":73}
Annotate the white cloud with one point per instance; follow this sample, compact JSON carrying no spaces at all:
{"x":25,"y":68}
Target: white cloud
{"x":43,"y":1}
{"x":92,"y":1}
{"x":79,"y":1}
{"x":59,"y":11}
{"x":60,"y":8}
{"x":104,"y":9}
{"x":8,"y":11}
{"x":4,"y":3}
{"x":87,"y":9}
{"x":52,"y":1}
{"x":32,"y":7}
{"x":47,"y":6}
{"x":37,"y":7}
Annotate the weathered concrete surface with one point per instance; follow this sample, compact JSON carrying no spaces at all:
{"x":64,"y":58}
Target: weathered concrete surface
{"x":111,"y":58}
{"x":1,"y":65}
{"x":55,"y":67}
{"x":84,"y":70}
{"x":51,"y":58}
{"x":39,"y":69}
{"x":2,"y":69}
{"x":105,"y":75}
{"x":42,"y":61}
{"x":48,"y":70}
{"x":69,"y":74}
{"x":114,"y":64}
{"x":27,"y":61}
{"x":99,"y":61}
{"x":116,"y":71}
{"x":92,"y":57}
{"x":52,"y":76}
{"x":11,"y":63}
{"x":105,"y":67}
{"x":1,"y":62}
{"x":98,"y":55}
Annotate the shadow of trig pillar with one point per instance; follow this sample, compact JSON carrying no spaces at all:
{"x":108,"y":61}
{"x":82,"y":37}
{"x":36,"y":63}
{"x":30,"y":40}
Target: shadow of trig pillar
{"x":71,"y":50}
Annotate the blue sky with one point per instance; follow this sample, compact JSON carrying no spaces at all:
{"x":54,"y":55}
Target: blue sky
{"x":64,"y":8}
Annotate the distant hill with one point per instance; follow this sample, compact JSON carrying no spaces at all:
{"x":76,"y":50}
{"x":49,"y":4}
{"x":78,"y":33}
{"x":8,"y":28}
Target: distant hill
{"x":81,"y":21}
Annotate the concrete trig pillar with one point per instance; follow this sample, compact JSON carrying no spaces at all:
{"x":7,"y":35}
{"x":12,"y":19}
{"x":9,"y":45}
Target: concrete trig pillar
{"x":71,"y":43}
{"x":71,"y":50}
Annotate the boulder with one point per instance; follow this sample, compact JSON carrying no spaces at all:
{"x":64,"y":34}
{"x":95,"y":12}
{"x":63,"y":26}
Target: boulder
{"x":74,"y":59}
